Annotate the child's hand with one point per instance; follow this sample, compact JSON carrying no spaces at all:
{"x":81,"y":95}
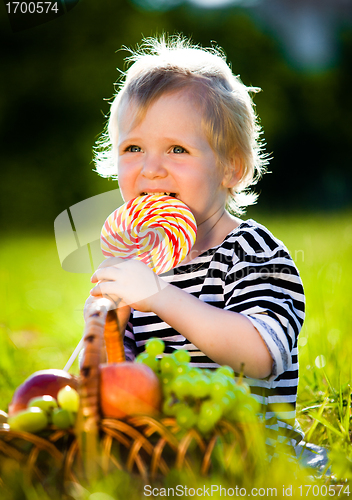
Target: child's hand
{"x":123,"y":311}
{"x":127,"y":279}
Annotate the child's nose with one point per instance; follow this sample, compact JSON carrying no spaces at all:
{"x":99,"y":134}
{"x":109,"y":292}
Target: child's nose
{"x":153,"y":167}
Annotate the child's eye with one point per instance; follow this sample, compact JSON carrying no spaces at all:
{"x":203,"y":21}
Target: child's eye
{"x":133,"y":149}
{"x":178,"y":149}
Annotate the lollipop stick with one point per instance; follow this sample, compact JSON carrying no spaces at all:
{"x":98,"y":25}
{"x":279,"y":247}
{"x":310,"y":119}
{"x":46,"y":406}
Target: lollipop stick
{"x":74,"y":355}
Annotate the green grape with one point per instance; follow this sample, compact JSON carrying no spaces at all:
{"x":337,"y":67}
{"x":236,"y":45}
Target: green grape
{"x":45,"y":403}
{"x":169,"y":406}
{"x":166,"y":379}
{"x":168,"y":364}
{"x":231,"y":395}
{"x":230,"y":383}
{"x":154,"y":346}
{"x":241,"y":394}
{"x":218,"y":386}
{"x":225,"y":404}
{"x":182,"y":369}
{"x":148,"y":360}
{"x":166,"y":383}
{"x":226,"y":370}
{"x":152,"y":362}
{"x":174,"y":357}
{"x":68,"y":399}
{"x":186,"y":417}
{"x":211,"y":411}
{"x":63,"y":419}
{"x":141,"y":357}
{"x":244,"y":387}
{"x":228,"y":402}
{"x":181,"y":385}
{"x":204,"y":425}
{"x":194,"y":372}
{"x":176,"y":407}
{"x":200,"y":386}
{"x":243,"y":413}
{"x":182,"y":356}
{"x":32,"y":419}
{"x":253,"y":402}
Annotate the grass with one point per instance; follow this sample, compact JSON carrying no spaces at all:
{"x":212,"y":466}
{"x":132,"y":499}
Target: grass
{"x":41,"y":322}
{"x":41,"y":317}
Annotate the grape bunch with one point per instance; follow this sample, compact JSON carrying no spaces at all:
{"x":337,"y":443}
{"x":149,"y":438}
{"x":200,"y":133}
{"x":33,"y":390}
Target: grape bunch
{"x":45,"y":410}
{"x":198,"y":397}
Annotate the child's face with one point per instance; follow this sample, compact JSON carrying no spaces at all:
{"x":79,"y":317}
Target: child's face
{"x":167,"y":152}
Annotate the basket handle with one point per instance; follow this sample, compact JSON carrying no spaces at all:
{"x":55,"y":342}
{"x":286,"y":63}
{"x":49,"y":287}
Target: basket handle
{"x":101,"y":327}
{"x":115,"y":351}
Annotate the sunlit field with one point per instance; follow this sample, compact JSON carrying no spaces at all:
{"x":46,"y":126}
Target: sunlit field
{"x":41,"y":322}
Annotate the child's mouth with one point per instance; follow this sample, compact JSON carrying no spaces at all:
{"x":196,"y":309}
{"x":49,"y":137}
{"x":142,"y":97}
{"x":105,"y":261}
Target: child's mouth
{"x":159,"y":194}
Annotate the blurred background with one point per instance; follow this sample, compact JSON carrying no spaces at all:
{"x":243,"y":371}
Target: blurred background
{"x":57,"y":77}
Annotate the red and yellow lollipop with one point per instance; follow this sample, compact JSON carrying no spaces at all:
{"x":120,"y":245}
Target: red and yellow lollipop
{"x":159,"y":230}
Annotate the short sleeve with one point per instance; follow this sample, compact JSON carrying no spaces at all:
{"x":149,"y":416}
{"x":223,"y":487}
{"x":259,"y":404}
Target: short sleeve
{"x":263,"y":283}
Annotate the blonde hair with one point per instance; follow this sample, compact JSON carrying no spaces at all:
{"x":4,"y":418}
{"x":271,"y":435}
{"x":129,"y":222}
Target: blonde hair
{"x":229,"y":120}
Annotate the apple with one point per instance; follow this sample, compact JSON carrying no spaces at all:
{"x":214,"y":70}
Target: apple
{"x":127,"y":389}
{"x":40,"y":383}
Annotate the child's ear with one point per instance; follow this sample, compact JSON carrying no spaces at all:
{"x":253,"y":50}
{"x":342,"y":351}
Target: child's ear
{"x":233,"y":172}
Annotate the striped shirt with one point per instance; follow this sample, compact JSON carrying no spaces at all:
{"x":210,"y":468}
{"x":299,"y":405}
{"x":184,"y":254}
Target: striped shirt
{"x":251,"y":273}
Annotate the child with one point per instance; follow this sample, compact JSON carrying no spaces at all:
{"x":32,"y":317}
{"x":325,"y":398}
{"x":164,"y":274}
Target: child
{"x":183,"y":124}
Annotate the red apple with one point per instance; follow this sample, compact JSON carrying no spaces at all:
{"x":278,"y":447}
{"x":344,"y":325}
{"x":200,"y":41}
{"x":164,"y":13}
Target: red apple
{"x":41,"y":383}
{"x":127,"y":389}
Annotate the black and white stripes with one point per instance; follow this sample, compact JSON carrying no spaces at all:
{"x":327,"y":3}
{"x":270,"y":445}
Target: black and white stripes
{"x":250,"y":273}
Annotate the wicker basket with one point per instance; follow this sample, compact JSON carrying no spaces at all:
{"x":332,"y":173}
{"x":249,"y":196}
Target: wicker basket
{"x":141,"y":445}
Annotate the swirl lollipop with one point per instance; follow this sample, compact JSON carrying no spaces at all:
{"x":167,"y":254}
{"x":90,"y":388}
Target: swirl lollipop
{"x":159,"y":230}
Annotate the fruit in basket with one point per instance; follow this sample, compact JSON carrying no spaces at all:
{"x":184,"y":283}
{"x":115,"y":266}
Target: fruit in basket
{"x":155,"y":346}
{"x":45,"y":403}
{"x":68,"y":399}
{"x":28,"y":420}
{"x":63,"y":419}
{"x":129,"y":388}
{"x":199,"y":397}
{"x":40,"y":383}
